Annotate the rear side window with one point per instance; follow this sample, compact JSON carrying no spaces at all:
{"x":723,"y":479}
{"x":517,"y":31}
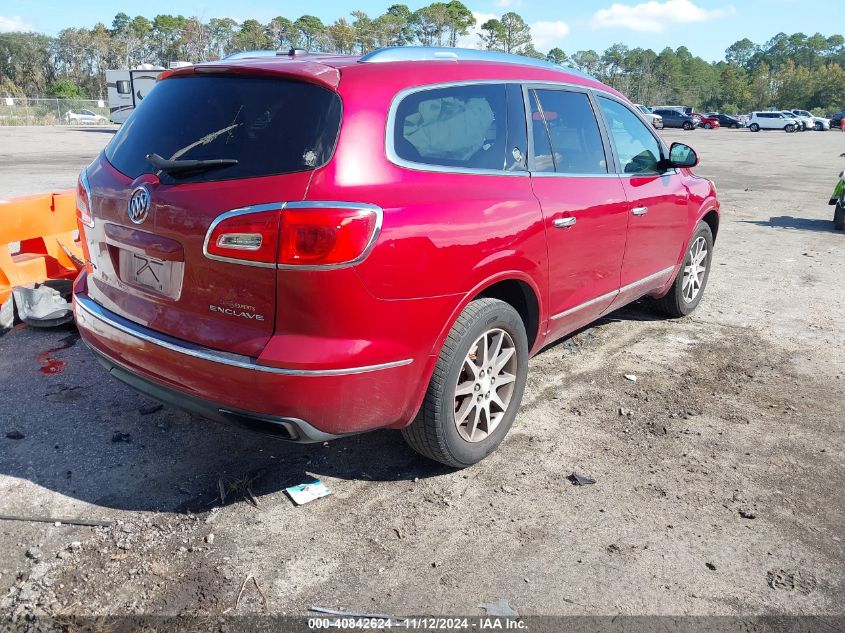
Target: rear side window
{"x":123,"y":86}
{"x":456,"y":126}
{"x":270,"y":126}
{"x":572,"y":131}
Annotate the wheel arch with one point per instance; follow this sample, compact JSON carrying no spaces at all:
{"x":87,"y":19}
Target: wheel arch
{"x":515,"y":288}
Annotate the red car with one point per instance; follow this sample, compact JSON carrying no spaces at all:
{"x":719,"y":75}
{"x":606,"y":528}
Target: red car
{"x":314,"y":246}
{"x":708,"y":122}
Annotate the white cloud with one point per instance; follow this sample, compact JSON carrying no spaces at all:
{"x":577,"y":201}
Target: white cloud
{"x":13,"y":24}
{"x":471,"y":39}
{"x":508,"y":4}
{"x":654,"y":16}
{"x":544,"y":34}
{"x":547,"y":35}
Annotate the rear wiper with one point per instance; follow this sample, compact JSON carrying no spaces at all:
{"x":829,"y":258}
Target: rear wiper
{"x":178,"y":168}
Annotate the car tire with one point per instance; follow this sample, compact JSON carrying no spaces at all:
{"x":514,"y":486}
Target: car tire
{"x":789,"y":129}
{"x":754,"y":127}
{"x":707,"y":126}
{"x":687,"y":125}
{"x":735,"y":126}
{"x":688,"y":286}
{"x":436,"y":432}
{"x":839,"y":217}
{"x":818,"y":127}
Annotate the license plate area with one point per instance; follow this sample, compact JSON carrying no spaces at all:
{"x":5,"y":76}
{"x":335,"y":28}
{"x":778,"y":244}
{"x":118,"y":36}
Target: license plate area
{"x":158,"y":276}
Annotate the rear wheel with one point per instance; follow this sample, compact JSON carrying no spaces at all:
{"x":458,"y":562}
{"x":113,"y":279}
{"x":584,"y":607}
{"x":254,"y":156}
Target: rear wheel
{"x":476,"y":387}
{"x":789,"y":129}
{"x":707,"y":126}
{"x":818,"y":126}
{"x":754,"y":127}
{"x":688,"y":287}
{"x":839,"y":216}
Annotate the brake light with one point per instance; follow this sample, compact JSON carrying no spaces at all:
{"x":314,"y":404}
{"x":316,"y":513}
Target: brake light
{"x":325,"y":236}
{"x":296,"y":234}
{"x":83,"y":201}
{"x":250,"y":237}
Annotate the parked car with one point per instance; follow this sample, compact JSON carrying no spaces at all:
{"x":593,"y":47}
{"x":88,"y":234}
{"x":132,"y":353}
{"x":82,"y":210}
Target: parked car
{"x":397,"y":259}
{"x":676,"y":118}
{"x":771,"y":121}
{"x":84,"y":116}
{"x":804,"y":123}
{"x":818,"y":123}
{"x":725,"y":120}
{"x":836,"y":119}
{"x":655,"y":119}
{"x":707,"y":122}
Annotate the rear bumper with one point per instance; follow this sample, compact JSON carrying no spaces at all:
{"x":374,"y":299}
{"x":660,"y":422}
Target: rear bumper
{"x":294,"y":404}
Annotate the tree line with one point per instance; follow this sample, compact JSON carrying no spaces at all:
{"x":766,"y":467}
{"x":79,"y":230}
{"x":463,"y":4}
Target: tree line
{"x":787,"y":71}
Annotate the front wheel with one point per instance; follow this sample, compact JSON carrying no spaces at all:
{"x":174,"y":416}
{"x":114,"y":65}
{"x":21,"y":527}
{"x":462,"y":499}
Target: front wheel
{"x":476,"y":387}
{"x":688,"y":287}
{"x":707,"y":126}
{"x":818,"y":127}
{"x":754,"y":127}
{"x":687,"y":125}
{"x":839,"y":216}
{"x":789,"y":128}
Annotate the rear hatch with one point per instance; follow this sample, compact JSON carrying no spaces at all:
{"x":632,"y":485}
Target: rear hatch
{"x":151,"y":268}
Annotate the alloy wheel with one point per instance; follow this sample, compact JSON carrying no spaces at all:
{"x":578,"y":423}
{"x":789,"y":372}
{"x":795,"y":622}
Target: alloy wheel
{"x":485,"y":385}
{"x":695,"y":267}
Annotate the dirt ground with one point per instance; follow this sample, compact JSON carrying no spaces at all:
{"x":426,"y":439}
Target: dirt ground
{"x":720,"y":486}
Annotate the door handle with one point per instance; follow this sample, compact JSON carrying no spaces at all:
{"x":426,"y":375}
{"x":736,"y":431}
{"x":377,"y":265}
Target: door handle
{"x":639,"y":210}
{"x":562,"y":223}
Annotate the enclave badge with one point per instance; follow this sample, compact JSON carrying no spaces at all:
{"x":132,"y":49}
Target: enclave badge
{"x":139,"y":205}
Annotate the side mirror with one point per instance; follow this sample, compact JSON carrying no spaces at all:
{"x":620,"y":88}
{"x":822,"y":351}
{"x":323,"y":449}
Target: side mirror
{"x":682,"y":155}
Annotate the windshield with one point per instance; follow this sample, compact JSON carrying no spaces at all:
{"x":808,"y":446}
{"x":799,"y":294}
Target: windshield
{"x":644,"y":109}
{"x":265,"y":126}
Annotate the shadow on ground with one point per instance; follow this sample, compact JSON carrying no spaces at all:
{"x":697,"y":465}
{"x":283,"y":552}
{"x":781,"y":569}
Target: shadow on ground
{"x":92,"y":438}
{"x":802,"y":224}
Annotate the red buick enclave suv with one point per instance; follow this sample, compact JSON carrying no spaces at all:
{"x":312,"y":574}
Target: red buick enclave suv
{"x":312,"y":246}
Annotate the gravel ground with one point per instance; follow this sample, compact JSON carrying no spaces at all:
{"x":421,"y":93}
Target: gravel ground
{"x":720,"y":486}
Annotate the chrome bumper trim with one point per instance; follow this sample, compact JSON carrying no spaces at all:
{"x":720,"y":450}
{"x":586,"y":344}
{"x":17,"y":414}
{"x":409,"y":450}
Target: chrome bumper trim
{"x":96,"y":311}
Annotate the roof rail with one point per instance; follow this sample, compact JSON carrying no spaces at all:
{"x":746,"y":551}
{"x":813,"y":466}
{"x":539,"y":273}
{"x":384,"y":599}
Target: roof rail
{"x":445,"y":53}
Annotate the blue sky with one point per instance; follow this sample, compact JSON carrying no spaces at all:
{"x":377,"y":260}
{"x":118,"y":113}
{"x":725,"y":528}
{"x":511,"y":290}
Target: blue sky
{"x":706,"y":27}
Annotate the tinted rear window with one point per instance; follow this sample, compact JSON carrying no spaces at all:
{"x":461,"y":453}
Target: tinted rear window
{"x":270,"y":126}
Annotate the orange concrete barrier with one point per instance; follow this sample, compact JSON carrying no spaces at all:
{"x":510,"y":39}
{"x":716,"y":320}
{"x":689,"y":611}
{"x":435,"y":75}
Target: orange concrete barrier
{"x":39,"y":240}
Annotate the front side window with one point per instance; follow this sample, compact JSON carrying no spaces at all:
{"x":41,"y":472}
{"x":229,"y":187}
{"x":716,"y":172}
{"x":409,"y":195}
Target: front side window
{"x":566,"y":134}
{"x":455,"y":126}
{"x":637,"y":148}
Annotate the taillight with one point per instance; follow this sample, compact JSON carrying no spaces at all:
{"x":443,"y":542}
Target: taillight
{"x":83,"y":200}
{"x":314,"y":235}
{"x":250,"y":237}
{"x":297,"y":234}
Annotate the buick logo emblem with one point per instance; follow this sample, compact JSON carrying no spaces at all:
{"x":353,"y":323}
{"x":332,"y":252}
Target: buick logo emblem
{"x":139,"y":205}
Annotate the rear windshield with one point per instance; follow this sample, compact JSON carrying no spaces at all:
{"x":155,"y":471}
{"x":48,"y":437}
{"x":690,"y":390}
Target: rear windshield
{"x":270,"y":126}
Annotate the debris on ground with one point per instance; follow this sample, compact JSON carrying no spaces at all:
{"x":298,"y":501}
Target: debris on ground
{"x":305,"y":493}
{"x":747,"y":514}
{"x":351,"y":614}
{"x":790,"y":580}
{"x":50,"y":365}
{"x":150,"y":409}
{"x":578,"y":479}
{"x":121,"y":437}
{"x":58,"y":521}
{"x":710,"y":566}
{"x":630,"y":377}
{"x":500,"y":609}
{"x":14,"y":434}
{"x":241,"y":592}
{"x":44,"y":305}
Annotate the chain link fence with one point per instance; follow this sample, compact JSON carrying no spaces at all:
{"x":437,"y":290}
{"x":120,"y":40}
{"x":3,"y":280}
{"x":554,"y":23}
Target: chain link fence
{"x":33,"y":111}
